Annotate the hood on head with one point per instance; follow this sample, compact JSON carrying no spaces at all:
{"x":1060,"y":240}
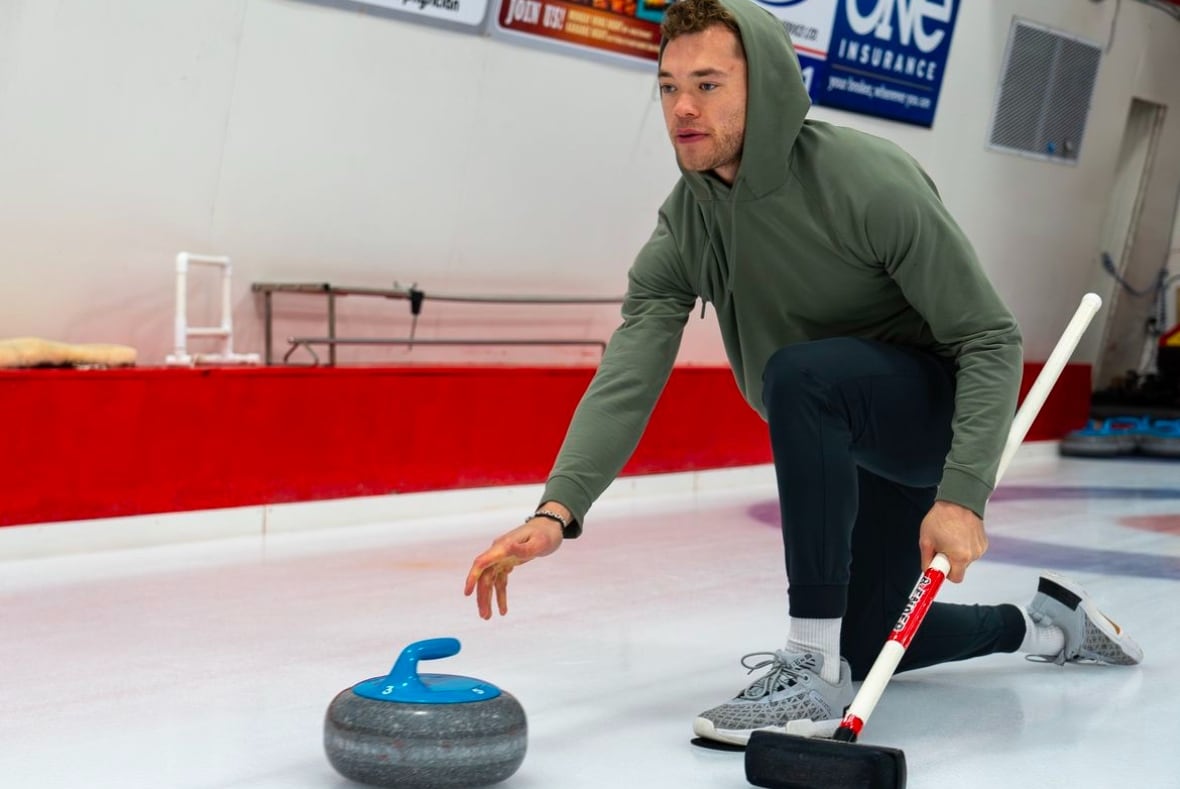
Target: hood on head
{"x":777,"y":101}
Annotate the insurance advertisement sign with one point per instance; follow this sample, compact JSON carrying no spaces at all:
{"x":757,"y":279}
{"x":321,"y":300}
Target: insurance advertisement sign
{"x":875,"y":57}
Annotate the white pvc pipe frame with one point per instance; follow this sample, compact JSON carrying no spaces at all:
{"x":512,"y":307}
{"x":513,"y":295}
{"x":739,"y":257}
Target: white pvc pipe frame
{"x":879,"y":675}
{"x":225,"y":331}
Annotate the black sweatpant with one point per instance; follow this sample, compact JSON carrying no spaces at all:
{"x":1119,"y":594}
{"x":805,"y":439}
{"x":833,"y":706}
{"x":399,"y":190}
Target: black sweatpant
{"x":860,"y":431}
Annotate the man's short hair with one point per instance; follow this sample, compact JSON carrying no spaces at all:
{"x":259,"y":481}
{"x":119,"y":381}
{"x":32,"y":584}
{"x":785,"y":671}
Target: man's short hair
{"x":695,"y":16}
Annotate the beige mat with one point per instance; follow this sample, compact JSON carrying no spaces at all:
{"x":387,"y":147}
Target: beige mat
{"x":36,"y":352}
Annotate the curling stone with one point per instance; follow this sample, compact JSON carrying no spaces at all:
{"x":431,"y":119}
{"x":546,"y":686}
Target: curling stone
{"x":1162,"y":439}
{"x":425,"y":731}
{"x":1104,"y":439}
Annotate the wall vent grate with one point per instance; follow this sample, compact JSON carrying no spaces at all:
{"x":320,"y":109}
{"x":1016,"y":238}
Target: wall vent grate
{"x":1043,"y":100}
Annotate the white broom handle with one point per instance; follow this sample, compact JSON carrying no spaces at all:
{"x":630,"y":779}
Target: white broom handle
{"x":886,"y":663}
{"x":1048,"y":376}
{"x":1039,"y":392}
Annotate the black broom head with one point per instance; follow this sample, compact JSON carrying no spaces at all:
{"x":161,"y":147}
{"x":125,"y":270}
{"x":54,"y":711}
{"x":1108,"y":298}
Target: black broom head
{"x":785,"y":761}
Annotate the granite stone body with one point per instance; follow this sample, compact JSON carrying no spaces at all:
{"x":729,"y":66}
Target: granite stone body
{"x":1162,"y":444}
{"x":1081,"y":444}
{"x":425,"y":746}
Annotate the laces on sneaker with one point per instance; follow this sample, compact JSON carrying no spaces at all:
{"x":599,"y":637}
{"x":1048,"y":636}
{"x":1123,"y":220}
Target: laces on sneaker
{"x":786,"y":671}
{"x":1059,"y":658}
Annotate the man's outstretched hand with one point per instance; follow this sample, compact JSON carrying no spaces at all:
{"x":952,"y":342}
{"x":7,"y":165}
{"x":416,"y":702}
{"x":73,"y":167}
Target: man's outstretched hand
{"x":489,"y":572}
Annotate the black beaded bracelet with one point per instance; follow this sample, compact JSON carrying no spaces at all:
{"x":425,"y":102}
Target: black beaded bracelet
{"x":569,"y":530}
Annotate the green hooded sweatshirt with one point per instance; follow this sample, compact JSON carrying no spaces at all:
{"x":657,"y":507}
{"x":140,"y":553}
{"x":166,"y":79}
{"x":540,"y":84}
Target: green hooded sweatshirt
{"x":825,"y":232}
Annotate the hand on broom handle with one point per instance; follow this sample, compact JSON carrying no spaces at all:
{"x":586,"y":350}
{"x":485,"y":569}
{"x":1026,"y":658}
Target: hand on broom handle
{"x":930,"y":582}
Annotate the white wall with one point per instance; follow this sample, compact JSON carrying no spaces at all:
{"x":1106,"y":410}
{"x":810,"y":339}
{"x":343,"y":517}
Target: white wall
{"x":312,"y":142}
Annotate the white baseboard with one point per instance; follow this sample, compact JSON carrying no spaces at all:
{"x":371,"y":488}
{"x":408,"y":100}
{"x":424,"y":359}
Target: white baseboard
{"x":74,"y":537}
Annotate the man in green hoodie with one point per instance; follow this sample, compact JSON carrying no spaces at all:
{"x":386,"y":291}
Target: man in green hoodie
{"x":860,"y":325}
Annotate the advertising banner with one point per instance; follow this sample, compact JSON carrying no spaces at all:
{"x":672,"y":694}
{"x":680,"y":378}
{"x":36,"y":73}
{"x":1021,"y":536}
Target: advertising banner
{"x":875,"y":57}
{"x":619,"y":29}
{"x":463,"y":13}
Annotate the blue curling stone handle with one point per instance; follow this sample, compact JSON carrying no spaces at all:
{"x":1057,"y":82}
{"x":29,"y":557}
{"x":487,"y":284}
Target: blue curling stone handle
{"x":404,"y":684}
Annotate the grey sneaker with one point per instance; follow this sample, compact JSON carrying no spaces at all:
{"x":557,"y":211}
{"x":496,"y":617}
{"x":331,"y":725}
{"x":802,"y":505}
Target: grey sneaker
{"x":1090,"y":636}
{"x":791,"y":690}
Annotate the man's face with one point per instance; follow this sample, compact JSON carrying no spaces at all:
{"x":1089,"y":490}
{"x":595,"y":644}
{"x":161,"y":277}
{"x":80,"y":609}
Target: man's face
{"x":703,"y":92}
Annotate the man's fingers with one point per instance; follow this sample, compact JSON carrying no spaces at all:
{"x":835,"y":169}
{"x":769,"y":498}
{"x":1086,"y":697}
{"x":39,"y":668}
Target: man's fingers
{"x":489,"y":578}
{"x":482,"y":565}
{"x":479,"y":568}
{"x":502,"y":589}
{"x":959,"y":565}
{"x":927,"y":555}
{"x":484,"y":596}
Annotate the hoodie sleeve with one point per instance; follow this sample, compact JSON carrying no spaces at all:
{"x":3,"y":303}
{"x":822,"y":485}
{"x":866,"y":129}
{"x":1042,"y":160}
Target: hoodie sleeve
{"x":927,"y":254}
{"x":615,"y":409}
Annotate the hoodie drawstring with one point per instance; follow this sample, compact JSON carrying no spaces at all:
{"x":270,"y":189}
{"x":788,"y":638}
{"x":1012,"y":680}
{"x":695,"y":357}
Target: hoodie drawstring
{"x":727,"y":257}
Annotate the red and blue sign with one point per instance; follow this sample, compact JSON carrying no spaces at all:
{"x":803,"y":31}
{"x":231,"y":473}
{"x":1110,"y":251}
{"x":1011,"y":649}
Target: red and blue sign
{"x":876,"y":57}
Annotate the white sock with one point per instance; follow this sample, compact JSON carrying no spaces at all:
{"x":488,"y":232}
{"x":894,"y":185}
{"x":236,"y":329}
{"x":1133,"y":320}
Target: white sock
{"x":1044,"y":640}
{"x":820,"y":637}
